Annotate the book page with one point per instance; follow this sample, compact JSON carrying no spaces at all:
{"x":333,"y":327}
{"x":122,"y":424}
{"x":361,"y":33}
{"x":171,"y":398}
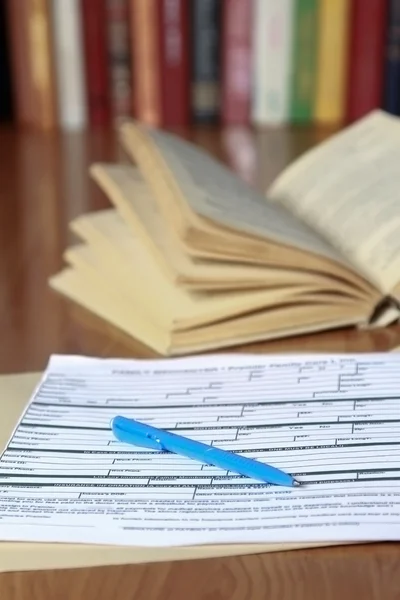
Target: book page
{"x":331,"y":421}
{"x":348,"y":188}
{"x":181,"y":309}
{"x":139,"y":208}
{"x":189,"y":183}
{"x":309,"y":313}
{"x":139,"y":211}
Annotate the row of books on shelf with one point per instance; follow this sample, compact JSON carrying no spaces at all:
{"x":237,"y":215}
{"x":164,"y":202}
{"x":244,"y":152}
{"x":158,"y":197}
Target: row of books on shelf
{"x":173,"y":62}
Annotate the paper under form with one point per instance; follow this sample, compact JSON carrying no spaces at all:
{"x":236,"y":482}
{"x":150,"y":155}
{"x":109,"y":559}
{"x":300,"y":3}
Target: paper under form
{"x":331,"y":421}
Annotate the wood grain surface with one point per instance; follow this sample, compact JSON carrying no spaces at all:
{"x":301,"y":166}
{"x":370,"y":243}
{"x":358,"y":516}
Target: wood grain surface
{"x":43,"y":185}
{"x":356,"y":573}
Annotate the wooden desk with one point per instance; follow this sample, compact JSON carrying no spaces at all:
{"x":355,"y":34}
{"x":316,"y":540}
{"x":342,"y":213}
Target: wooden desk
{"x":43,"y":185}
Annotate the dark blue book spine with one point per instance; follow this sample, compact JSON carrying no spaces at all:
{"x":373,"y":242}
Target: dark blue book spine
{"x":392,"y":72}
{"x":206,"y":32}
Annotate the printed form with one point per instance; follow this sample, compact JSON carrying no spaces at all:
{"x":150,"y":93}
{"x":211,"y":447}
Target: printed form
{"x":333,"y":421}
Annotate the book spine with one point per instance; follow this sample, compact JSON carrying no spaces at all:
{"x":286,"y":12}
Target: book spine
{"x":236,"y":61}
{"x":96,"y":63}
{"x":42,"y":63}
{"x":206,"y":59}
{"x":305,"y":40}
{"x":366,"y":60}
{"x":5,"y":70}
{"x":67,"y":27}
{"x":119,"y":57}
{"x":23,"y":94}
{"x":174,"y":62}
{"x":273,"y":39}
{"x":33,"y":68}
{"x":332,"y":61}
{"x":145,"y":23}
{"x":392,"y":67}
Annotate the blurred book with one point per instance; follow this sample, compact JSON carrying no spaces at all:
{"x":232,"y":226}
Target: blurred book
{"x":145,"y":24}
{"x":96,"y":62}
{"x":175,"y":60}
{"x":236,"y":32}
{"x":304,"y":60}
{"x":5,"y":70}
{"x":332,"y":62}
{"x":119,"y":58}
{"x":192,"y":258}
{"x":31,"y":42}
{"x":68,"y":50}
{"x":392,"y":80}
{"x":206,"y":42}
{"x":366,"y":57}
{"x":272,"y":67}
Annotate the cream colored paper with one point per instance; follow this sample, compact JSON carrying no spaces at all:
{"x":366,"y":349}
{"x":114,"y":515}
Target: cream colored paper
{"x":193,"y":190}
{"x":14,"y":394}
{"x":108,"y":303}
{"x":183,"y":310}
{"x":348,"y":188}
{"x":139,"y":211}
{"x":187,"y":262}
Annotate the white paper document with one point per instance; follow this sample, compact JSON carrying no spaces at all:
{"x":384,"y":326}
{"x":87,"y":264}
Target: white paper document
{"x":332,"y":421}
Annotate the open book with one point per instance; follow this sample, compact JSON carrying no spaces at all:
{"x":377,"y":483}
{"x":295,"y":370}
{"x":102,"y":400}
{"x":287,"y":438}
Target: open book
{"x":192,"y":258}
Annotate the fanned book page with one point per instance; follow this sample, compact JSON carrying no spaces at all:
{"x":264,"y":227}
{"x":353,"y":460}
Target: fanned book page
{"x":192,"y":187}
{"x":215,"y":212}
{"x":138,"y":210}
{"x":182,"y":310}
{"x":118,"y":257}
{"x":332,"y":421}
{"x":93,"y":292}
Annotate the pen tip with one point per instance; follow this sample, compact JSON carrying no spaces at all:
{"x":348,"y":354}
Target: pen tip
{"x":296,"y":483}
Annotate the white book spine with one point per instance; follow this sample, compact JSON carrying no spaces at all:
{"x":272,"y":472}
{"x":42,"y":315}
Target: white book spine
{"x":272,"y":60}
{"x":69,"y":63}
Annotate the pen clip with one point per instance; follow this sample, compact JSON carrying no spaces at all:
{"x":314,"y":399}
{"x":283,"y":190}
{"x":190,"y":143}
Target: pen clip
{"x":130,"y":432}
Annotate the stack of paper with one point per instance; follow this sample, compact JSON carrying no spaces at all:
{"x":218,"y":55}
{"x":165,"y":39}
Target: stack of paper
{"x":330,"y":420}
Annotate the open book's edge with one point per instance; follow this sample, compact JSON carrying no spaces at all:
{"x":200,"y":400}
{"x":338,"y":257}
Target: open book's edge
{"x":132,"y":321}
{"x":385,"y":313}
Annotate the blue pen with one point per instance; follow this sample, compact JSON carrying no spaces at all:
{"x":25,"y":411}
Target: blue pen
{"x":139,"y":434}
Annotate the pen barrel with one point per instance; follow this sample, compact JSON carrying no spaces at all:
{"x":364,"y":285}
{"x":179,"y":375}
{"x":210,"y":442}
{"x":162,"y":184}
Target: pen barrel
{"x":226,"y":460}
{"x":134,"y":432}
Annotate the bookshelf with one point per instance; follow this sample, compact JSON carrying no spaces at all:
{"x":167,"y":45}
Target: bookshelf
{"x":75,"y":64}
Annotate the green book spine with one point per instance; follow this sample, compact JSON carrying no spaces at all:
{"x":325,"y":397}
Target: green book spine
{"x":305,"y":40}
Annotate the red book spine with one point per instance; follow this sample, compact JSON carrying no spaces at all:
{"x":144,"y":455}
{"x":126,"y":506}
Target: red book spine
{"x":94,"y":18}
{"x":236,"y":61}
{"x":367,"y":48}
{"x":174,"y":62}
